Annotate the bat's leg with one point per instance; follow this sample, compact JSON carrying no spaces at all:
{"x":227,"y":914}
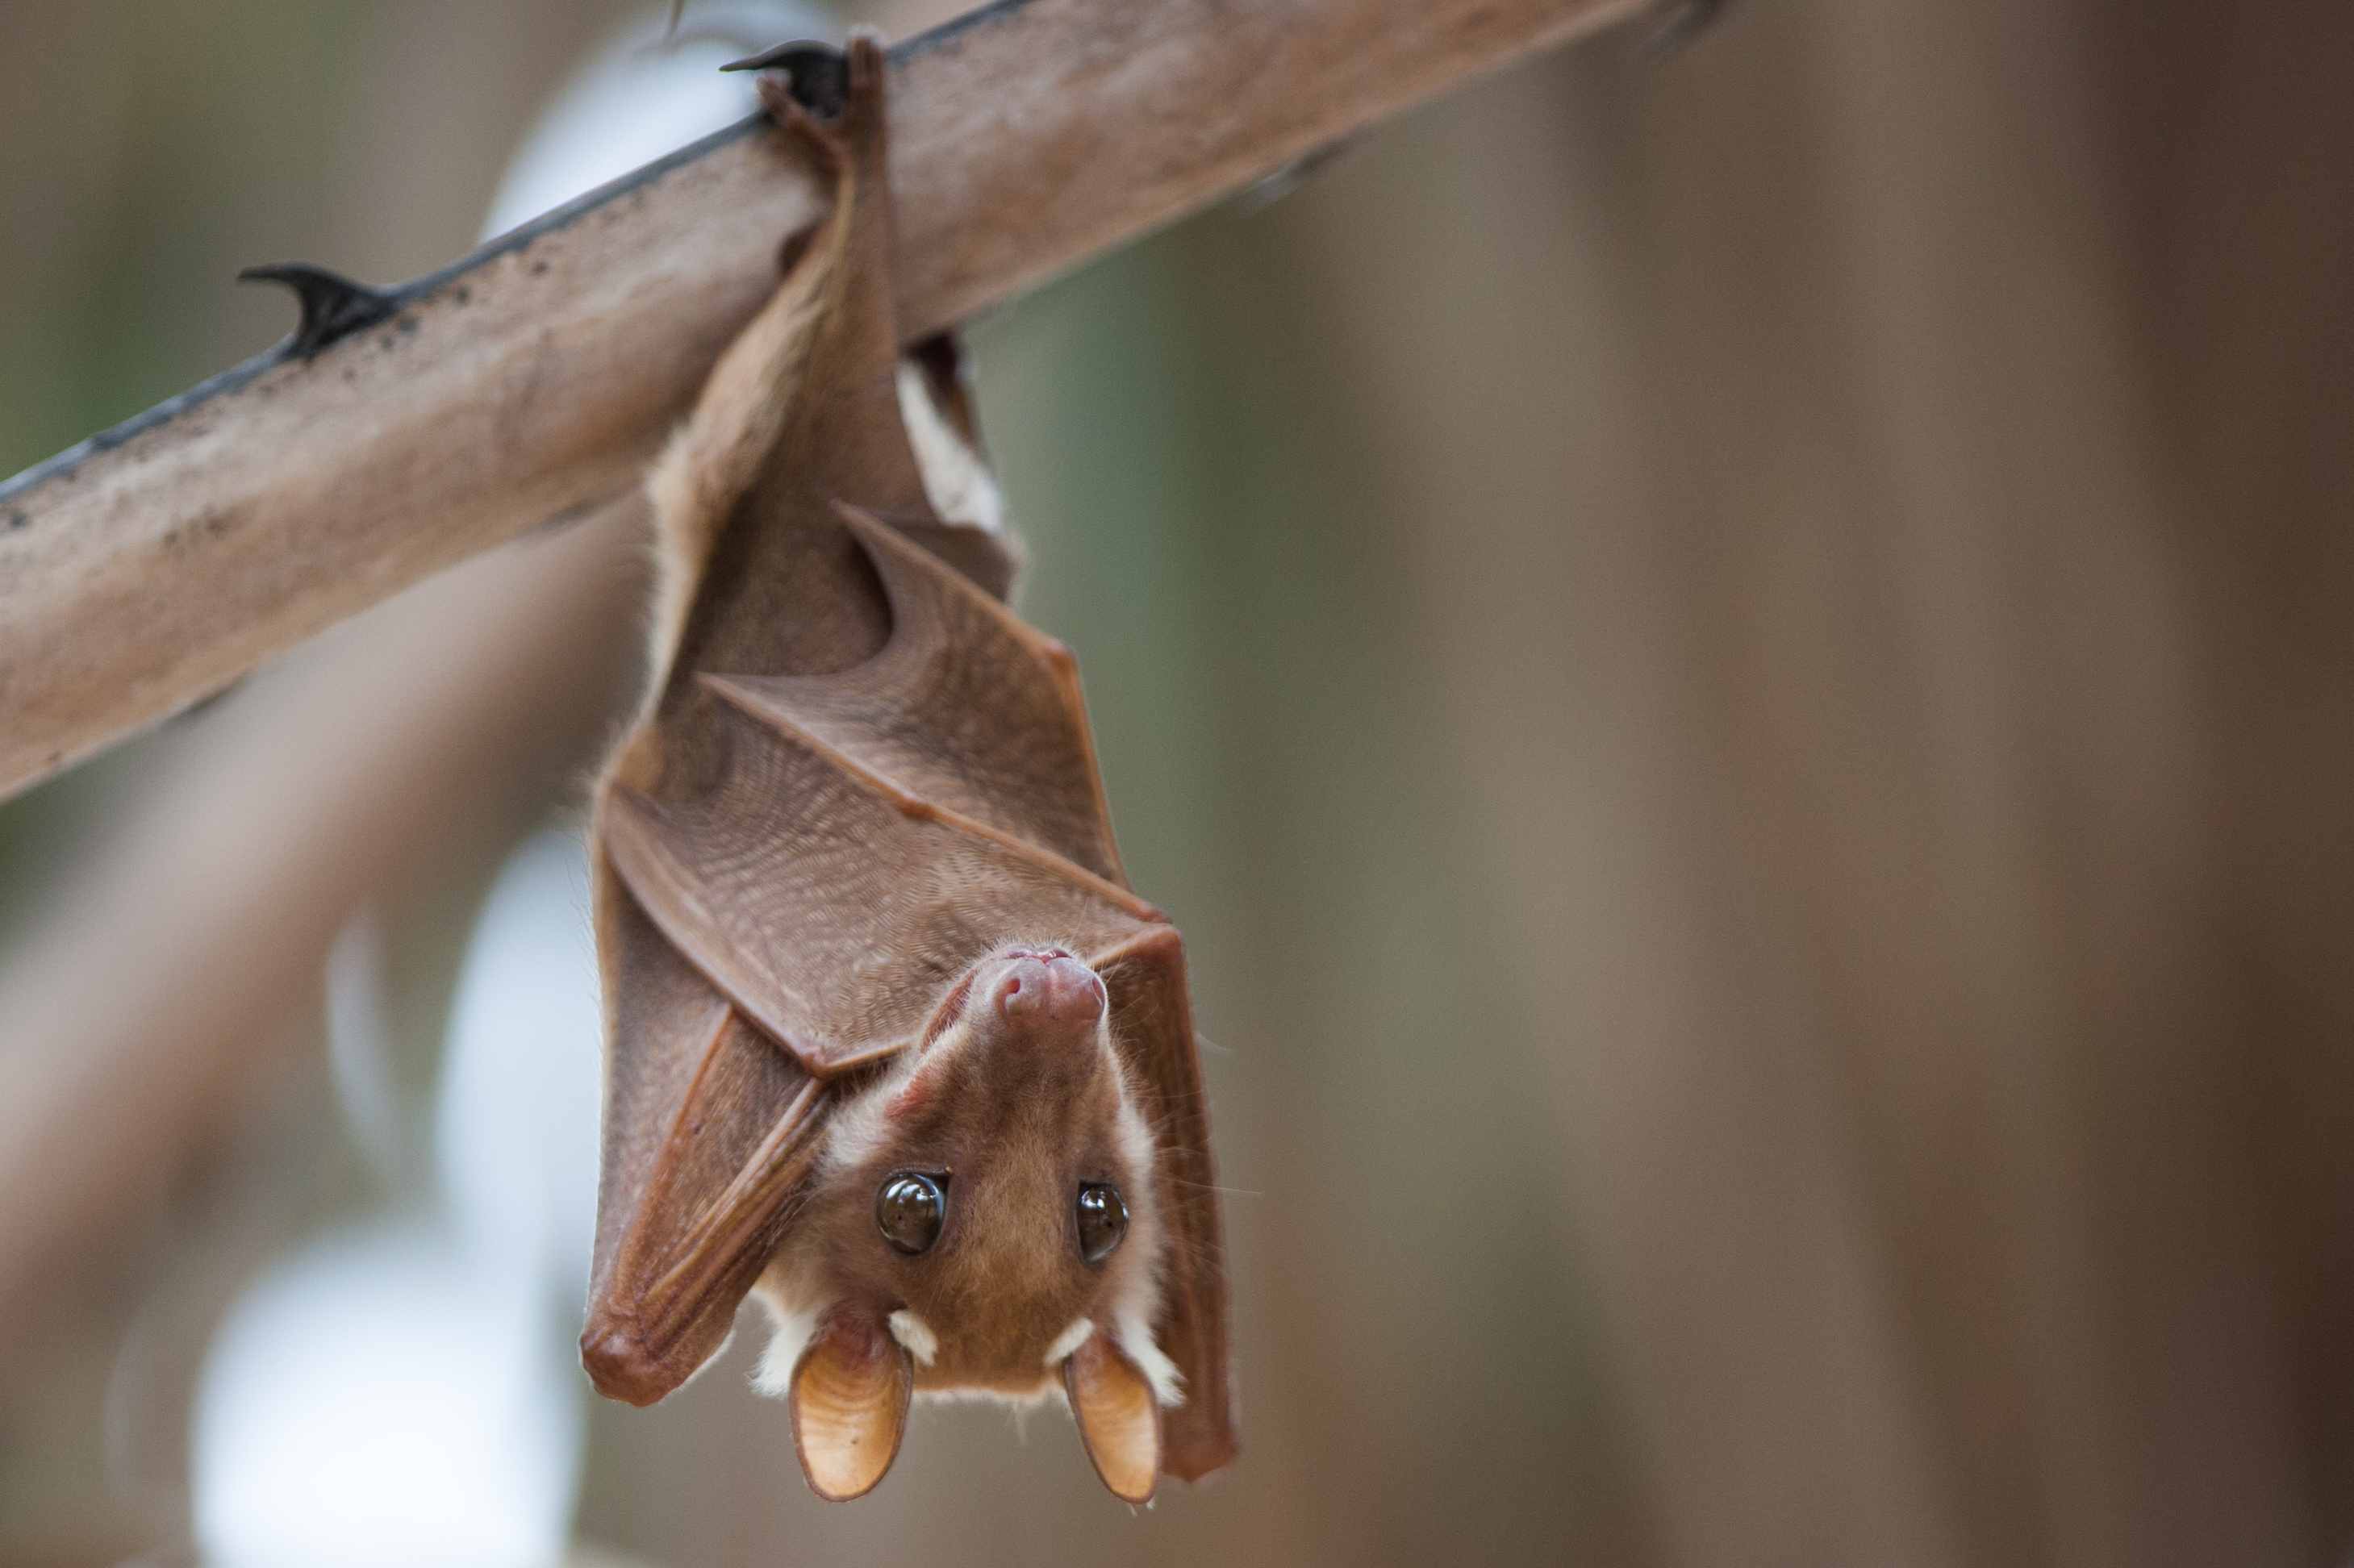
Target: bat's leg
{"x":816,"y":76}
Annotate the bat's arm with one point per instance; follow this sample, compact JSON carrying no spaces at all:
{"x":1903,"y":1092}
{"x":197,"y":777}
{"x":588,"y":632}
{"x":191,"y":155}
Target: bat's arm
{"x":689,"y":1253}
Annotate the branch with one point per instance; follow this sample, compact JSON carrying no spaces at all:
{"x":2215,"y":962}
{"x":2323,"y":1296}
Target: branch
{"x":158,"y":561}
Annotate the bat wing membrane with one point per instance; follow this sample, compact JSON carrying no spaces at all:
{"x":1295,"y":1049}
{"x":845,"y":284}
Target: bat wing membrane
{"x":1152,"y":1026}
{"x":833,"y":911}
{"x":965,"y":708}
{"x":707,"y":1129}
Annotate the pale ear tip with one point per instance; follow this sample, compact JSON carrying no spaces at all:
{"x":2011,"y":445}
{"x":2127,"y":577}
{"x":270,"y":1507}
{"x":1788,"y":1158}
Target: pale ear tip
{"x":1136,"y":1491}
{"x":824,"y":1493}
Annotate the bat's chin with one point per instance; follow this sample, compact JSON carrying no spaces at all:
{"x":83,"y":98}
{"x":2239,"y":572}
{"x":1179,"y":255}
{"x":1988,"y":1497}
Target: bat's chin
{"x":1029,"y":990}
{"x":1015,"y":1386}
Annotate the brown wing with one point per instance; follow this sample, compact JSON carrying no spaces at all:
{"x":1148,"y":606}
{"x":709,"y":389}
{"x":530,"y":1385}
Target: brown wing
{"x":965,"y":707}
{"x":708,"y":1128}
{"x":830,"y":903}
{"x":1152,"y":1023}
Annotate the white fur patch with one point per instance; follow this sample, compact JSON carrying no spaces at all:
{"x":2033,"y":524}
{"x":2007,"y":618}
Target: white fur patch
{"x":916,"y":1335}
{"x":774,"y":1375}
{"x":1021,"y":1403}
{"x":1135,"y":1138}
{"x":1135,"y":1337}
{"x":1138,"y":1300}
{"x":1069,"y":1339}
{"x":960,"y":484}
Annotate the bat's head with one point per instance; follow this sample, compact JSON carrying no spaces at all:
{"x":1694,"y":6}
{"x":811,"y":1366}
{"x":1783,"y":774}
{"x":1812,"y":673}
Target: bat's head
{"x":984,"y":1219}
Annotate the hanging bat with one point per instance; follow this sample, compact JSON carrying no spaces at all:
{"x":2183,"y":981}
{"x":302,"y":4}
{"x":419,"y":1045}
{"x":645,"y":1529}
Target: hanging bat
{"x":892,"y":1045}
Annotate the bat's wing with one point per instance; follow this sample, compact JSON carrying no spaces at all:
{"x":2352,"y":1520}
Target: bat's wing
{"x":1152,"y":1021}
{"x":967,"y":709}
{"x":708,"y":1129}
{"x":828,"y":904}
{"x":858,"y":839}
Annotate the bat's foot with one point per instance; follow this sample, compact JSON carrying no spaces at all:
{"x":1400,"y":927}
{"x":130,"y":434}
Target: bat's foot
{"x":812,"y":78}
{"x":838,"y":87}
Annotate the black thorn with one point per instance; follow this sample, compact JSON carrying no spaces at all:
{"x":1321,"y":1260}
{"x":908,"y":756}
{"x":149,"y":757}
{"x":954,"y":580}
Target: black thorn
{"x":819,"y":74}
{"x":333,"y":305}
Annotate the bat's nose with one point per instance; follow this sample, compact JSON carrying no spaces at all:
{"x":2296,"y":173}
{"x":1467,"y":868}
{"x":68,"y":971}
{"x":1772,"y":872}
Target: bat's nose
{"x":1047,"y":986}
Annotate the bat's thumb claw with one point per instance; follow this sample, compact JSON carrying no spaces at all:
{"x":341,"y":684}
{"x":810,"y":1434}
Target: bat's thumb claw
{"x":618,"y":1362}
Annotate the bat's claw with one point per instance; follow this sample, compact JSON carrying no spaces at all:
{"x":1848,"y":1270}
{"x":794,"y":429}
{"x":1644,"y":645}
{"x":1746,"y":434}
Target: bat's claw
{"x":814,"y":77}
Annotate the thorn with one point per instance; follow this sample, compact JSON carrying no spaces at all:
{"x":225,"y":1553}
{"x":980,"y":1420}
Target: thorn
{"x":818,"y":73}
{"x":333,"y":306}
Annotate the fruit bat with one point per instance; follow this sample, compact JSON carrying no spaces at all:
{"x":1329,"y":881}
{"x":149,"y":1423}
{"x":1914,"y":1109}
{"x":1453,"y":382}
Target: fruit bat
{"x":892,"y":1046}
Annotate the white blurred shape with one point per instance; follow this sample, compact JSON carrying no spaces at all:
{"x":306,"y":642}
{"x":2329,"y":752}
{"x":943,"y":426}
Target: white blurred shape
{"x":638,"y":96}
{"x":375,"y":1401}
{"x":408,"y":1392}
{"x":359,"y":1044}
{"x":515,"y":1133}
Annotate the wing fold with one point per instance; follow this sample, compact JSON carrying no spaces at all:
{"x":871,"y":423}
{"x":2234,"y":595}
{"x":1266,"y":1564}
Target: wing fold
{"x":1152,"y":1025}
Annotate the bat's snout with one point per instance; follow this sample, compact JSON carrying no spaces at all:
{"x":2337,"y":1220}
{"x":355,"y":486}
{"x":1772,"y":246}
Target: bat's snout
{"x":1047,"y":986}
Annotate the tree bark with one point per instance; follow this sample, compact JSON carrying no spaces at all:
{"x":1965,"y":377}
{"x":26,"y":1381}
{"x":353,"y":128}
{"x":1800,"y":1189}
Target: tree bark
{"x":159,"y":561}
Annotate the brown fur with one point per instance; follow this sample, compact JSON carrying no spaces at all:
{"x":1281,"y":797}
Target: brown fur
{"x":1016,"y":1120}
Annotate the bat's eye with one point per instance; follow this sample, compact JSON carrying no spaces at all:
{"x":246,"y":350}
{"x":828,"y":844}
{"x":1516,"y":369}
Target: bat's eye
{"x":1103,"y":1220}
{"x":909,"y":1210}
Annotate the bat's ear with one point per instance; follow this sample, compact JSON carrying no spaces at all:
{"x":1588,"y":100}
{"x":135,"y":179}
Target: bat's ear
{"x":1119,"y":1421}
{"x":849,"y":1394}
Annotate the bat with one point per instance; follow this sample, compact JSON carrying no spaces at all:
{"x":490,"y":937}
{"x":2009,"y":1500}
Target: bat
{"x":892,"y":1045}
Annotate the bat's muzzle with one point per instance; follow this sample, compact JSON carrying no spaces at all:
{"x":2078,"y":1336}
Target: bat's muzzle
{"x":1047,"y":986}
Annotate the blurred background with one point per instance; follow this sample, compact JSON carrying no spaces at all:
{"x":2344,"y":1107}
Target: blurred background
{"x":1739,"y":667}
